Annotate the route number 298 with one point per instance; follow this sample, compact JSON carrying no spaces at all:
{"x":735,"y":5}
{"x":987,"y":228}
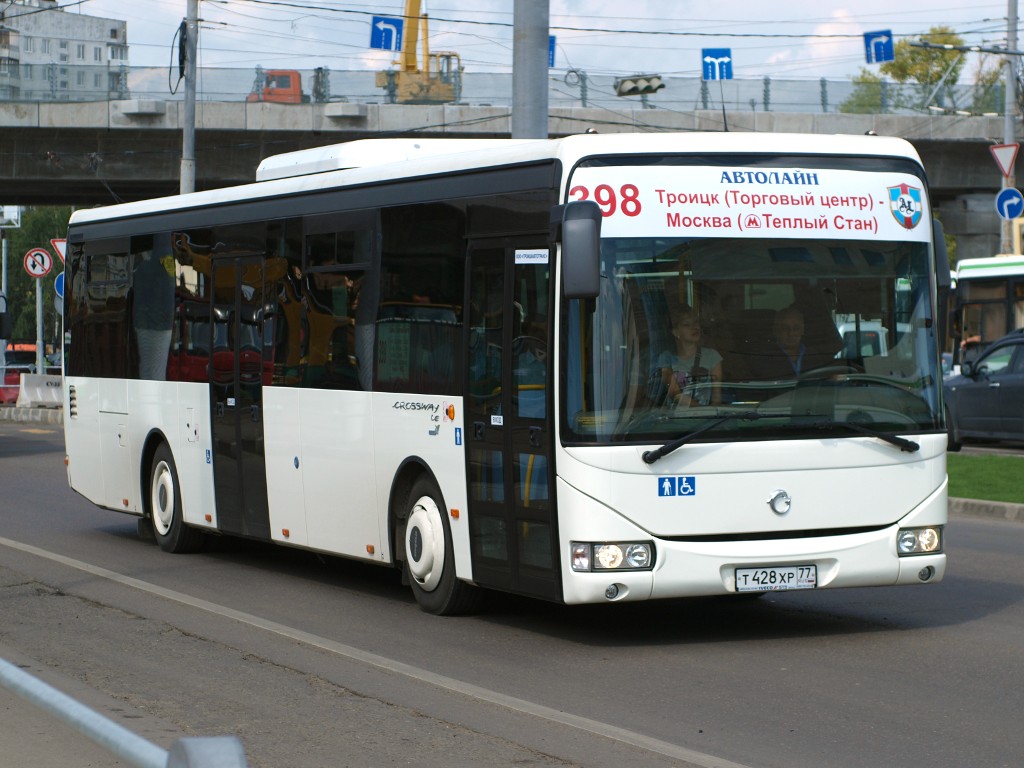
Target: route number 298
{"x":626,"y":200}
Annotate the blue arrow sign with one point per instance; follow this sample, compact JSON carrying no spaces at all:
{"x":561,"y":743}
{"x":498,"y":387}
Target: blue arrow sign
{"x":58,"y":285}
{"x":716,"y":63}
{"x":1010,"y":203}
{"x":878,"y":47}
{"x":386,"y":33}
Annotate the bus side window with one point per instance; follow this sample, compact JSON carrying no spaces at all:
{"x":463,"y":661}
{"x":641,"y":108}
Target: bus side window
{"x":338,"y":249}
{"x":419,"y":321}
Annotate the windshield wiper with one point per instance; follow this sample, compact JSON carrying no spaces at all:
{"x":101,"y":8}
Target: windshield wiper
{"x":650,"y":457}
{"x":909,"y":446}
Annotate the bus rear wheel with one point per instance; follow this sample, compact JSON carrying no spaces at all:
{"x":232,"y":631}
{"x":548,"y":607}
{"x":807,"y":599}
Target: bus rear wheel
{"x":429,"y":559}
{"x":165,"y":506}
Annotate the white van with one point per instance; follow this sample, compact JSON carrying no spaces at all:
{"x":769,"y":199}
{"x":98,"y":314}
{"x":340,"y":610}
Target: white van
{"x":870,"y":340}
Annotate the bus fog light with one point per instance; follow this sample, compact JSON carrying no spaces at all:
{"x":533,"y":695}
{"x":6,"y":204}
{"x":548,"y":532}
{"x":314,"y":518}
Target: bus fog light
{"x":919,"y":541}
{"x":926,"y":573}
{"x":611,"y":591}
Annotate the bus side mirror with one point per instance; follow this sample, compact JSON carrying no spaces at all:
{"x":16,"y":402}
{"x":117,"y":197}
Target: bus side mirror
{"x":579,"y":229}
{"x":943,"y":281}
{"x":5,"y":319}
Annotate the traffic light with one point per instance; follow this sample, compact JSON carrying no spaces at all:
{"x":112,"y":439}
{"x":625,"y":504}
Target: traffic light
{"x":638,"y":85}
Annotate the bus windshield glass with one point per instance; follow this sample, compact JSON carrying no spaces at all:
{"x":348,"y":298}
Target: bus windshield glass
{"x":751,"y":329}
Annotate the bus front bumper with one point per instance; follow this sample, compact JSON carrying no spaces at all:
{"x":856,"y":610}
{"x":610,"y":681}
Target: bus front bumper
{"x":687,"y":568}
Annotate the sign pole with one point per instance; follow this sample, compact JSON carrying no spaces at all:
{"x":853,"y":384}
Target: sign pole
{"x":39,"y":327}
{"x":1009,"y":110}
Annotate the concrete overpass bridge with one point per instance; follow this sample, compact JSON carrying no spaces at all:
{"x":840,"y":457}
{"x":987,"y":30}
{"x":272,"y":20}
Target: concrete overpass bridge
{"x":96,"y":153}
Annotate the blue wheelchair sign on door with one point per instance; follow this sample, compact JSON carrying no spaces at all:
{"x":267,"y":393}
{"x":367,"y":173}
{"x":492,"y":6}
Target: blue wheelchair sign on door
{"x":684,"y":485}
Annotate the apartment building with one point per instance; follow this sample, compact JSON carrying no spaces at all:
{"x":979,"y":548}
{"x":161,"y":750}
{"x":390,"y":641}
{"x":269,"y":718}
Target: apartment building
{"x":51,"y":54}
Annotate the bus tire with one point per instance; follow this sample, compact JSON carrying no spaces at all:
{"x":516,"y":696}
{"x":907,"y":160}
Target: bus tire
{"x":428,"y":556}
{"x":164,"y":506}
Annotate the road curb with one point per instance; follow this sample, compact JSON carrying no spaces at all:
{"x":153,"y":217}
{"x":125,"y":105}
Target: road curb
{"x":37,"y":415}
{"x":994,"y":510}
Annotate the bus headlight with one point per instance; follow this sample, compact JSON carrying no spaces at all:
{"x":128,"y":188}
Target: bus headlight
{"x":612,"y":556}
{"x":919,"y":541}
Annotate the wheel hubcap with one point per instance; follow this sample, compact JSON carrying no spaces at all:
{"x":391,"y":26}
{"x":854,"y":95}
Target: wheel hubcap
{"x":424,"y":543}
{"x":162,"y":498}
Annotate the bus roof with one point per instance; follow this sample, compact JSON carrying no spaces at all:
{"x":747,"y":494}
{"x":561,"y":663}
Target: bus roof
{"x":369,"y":160}
{"x":1003,"y":265}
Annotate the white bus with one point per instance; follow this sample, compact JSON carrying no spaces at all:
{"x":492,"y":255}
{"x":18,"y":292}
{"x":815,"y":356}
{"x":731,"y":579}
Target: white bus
{"x":457,"y":358}
{"x":989,"y":303}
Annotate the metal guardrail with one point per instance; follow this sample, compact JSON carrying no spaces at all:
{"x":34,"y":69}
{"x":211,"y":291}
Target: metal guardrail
{"x":566,"y":89}
{"x":188,"y":752}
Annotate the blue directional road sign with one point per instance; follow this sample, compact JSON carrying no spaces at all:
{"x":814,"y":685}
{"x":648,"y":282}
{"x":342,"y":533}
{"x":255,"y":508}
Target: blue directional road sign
{"x":386,"y":33}
{"x":551,"y":51}
{"x":1010,"y":203}
{"x":878,"y":47}
{"x":58,"y":285}
{"x":716,"y":63}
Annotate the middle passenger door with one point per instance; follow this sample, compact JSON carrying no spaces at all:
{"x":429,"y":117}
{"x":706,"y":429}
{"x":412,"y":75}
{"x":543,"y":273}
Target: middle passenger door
{"x":512,"y":516}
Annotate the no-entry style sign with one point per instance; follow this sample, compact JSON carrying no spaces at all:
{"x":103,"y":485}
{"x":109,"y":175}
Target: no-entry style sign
{"x":38,"y":262}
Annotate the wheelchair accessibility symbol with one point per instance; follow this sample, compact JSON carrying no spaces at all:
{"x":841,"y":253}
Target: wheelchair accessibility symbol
{"x":684,"y":485}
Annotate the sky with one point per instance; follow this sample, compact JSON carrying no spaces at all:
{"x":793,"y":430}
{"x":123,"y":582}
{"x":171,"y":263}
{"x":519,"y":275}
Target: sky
{"x":793,"y":39}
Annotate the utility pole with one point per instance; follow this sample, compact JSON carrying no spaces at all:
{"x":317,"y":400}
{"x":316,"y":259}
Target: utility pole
{"x":188,"y":138}
{"x":1010,"y":56}
{"x":530,"y":69}
{"x":1009,"y":113}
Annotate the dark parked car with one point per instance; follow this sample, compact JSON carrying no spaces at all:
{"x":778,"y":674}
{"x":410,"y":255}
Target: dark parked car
{"x":986,"y":401}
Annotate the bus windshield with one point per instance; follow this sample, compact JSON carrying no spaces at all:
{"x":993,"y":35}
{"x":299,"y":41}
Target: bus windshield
{"x":811,"y":336}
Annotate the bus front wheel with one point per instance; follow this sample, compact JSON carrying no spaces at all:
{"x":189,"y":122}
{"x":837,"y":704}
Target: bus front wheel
{"x":165,"y":506}
{"x":429,"y":559}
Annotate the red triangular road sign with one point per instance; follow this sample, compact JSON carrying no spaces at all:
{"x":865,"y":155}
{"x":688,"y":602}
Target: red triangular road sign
{"x":59,"y":245}
{"x":1006,"y":156}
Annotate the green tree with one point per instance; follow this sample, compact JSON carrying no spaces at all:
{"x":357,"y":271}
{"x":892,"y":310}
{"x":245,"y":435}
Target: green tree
{"x":988,"y":92}
{"x":927,"y":66}
{"x":868,"y":97}
{"x":39,"y":225}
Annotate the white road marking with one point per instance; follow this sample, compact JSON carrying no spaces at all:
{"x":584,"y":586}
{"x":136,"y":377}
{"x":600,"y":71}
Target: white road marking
{"x":657,"y":746}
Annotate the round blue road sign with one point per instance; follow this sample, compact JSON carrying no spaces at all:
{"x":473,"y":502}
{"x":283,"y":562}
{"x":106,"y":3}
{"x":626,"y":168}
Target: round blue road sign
{"x":1010,"y":203}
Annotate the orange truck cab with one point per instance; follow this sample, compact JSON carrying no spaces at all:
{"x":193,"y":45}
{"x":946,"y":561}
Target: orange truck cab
{"x":280,"y":86}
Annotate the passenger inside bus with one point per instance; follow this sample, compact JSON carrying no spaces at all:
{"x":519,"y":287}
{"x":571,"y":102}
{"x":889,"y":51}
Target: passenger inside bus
{"x":691,"y":373}
{"x":788,"y":337}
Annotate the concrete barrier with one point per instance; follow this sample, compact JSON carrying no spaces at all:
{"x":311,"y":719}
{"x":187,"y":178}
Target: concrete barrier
{"x":40,"y":391}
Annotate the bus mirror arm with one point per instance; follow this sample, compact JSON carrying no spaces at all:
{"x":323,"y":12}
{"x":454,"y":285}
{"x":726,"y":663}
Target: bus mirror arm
{"x":579,"y":228}
{"x":942,"y":277}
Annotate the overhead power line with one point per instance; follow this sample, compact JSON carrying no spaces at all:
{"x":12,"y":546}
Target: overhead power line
{"x":564,"y":28}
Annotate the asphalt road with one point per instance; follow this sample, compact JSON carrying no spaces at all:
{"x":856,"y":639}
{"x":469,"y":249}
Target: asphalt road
{"x":315,"y":661}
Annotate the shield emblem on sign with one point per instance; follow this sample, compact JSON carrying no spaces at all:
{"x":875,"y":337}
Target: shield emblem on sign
{"x":905,"y":204}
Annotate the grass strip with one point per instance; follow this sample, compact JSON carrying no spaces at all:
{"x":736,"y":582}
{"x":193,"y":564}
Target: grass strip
{"x":990,"y":478}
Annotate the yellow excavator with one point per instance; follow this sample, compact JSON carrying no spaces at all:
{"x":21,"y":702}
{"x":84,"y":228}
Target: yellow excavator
{"x":440,"y":80}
